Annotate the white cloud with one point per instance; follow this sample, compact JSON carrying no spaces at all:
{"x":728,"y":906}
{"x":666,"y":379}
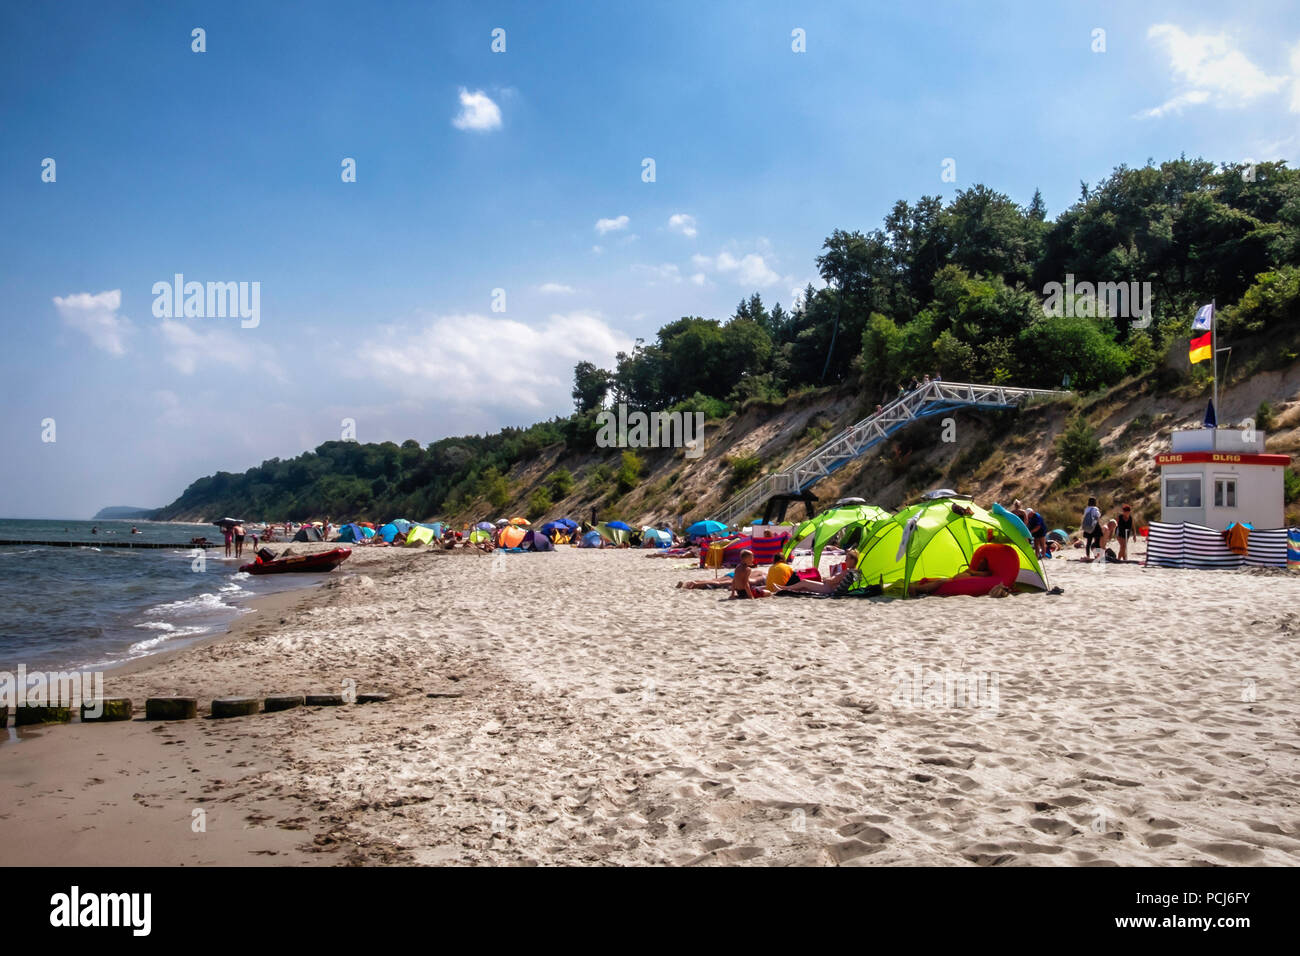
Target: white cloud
{"x":97,"y":317}
{"x":1176,"y":104}
{"x":700,"y":278}
{"x":190,"y":344}
{"x":663,"y":273}
{"x":556,"y":288}
{"x":749,"y":270}
{"x":681,"y":222}
{"x":604,"y":226}
{"x":1210,"y":69}
{"x":477,"y":112}
{"x":474,"y":362}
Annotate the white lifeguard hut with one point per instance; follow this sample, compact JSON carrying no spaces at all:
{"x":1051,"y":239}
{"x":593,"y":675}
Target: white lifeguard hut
{"x":1215,"y":476}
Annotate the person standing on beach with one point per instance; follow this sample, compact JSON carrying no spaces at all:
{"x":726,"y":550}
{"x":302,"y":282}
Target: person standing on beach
{"x":239,"y":540}
{"x":1037,"y":526}
{"x":1091,"y":528}
{"x":229,"y":535}
{"x":1124,"y":531}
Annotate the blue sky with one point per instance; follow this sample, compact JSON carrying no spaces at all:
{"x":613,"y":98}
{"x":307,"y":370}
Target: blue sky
{"x":519,"y":171}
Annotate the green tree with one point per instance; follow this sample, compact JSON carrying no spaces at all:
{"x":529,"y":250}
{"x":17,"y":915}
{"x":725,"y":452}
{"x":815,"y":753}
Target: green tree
{"x":1077,"y":448}
{"x":560,"y":483}
{"x":590,"y":385}
{"x":629,"y":472}
{"x":882,"y":353}
{"x":539,"y":503}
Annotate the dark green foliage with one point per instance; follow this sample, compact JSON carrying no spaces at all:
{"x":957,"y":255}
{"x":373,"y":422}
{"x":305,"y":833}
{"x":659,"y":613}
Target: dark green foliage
{"x":743,"y":469}
{"x":629,"y":472}
{"x":1077,"y":448}
{"x":539,"y":502}
{"x":560,"y":483}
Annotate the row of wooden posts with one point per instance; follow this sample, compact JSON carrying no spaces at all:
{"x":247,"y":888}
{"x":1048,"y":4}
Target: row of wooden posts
{"x":178,"y":708}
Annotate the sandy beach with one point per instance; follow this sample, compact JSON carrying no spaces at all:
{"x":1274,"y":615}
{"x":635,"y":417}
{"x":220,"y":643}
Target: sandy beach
{"x":576,"y":708}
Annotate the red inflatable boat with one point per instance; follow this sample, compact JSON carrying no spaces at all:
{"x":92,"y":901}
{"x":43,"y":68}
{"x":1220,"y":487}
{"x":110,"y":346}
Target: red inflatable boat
{"x":322,"y":561}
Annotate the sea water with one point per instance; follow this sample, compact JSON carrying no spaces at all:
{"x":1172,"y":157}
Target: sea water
{"x":94,"y":607}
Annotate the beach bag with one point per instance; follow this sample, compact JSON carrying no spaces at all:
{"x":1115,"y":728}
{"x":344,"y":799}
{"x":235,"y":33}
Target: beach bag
{"x":1091,"y":516}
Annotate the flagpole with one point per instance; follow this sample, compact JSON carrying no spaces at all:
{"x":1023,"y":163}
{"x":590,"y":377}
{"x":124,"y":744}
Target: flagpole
{"x":1214,"y":357}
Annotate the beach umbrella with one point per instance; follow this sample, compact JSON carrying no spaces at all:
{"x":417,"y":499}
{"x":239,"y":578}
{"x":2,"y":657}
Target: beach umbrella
{"x":518,"y":521}
{"x":706,"y":528}
{"x":484,"y":526}
{"x":502,"y":522}
{"x":228,"y":521}
{"x":620,"y":525}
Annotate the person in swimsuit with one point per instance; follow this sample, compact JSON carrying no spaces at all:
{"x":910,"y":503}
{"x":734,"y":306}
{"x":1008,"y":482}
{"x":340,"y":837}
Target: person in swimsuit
{"x":747,"y":581}
{"x":1124,"y":531}
{"x":835,"y":584}
{"x":743,"y":584}
{"x":230,"y":538}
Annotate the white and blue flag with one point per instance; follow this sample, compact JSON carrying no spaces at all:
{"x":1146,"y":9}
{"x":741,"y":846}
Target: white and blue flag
{"x":1204,"y":318}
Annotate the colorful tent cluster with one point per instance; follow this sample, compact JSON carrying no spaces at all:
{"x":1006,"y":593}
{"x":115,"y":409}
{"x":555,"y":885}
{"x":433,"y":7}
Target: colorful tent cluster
{"x":514,"y":538}
{"x":356,"y":533}
{"x":937,"y":539}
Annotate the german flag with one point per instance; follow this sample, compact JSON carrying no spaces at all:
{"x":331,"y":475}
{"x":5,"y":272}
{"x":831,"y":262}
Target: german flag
{"x":1200,"y":349}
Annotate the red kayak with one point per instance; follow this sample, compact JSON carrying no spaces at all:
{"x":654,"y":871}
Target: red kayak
{"x":322,"y":561}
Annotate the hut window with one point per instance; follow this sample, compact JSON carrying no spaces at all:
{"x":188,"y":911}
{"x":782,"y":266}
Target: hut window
{"x":1183,"y":492}
{"x":1225,"y":492}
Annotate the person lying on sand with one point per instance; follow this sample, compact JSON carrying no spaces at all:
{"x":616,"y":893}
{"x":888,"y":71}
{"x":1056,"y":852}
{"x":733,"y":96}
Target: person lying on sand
{"x":835,"y":584}
{"x":675,"y":553}
{"x":747,"y":580}
{"x":989,"y":561}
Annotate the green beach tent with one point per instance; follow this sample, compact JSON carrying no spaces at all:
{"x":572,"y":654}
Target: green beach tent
{"x":825,"y":526}
{"x":613,"y":535}
{"x":932,"y":540}
{"x":419,"y":535}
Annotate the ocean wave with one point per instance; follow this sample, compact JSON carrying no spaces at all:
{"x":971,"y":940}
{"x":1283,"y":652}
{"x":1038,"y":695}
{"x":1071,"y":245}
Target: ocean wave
{"x":208,"y":601}
{"x":144,"y":647}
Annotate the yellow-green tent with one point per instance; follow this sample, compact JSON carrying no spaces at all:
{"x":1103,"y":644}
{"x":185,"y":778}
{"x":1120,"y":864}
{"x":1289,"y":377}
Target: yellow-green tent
{"x":932,"y":540}
{"x":612,"y":535}
{"x":825,"y":526}
{"x":419,"y":535}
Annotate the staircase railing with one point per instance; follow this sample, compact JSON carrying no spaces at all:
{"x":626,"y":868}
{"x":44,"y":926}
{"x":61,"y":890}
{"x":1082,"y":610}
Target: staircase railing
{"x":930,"y":399}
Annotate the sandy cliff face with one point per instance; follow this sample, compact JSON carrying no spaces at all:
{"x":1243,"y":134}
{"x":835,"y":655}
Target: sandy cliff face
{"x":994,"y":456}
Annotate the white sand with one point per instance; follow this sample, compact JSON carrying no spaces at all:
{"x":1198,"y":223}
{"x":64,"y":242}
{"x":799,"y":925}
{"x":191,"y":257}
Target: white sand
{"x":606,"y":717}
